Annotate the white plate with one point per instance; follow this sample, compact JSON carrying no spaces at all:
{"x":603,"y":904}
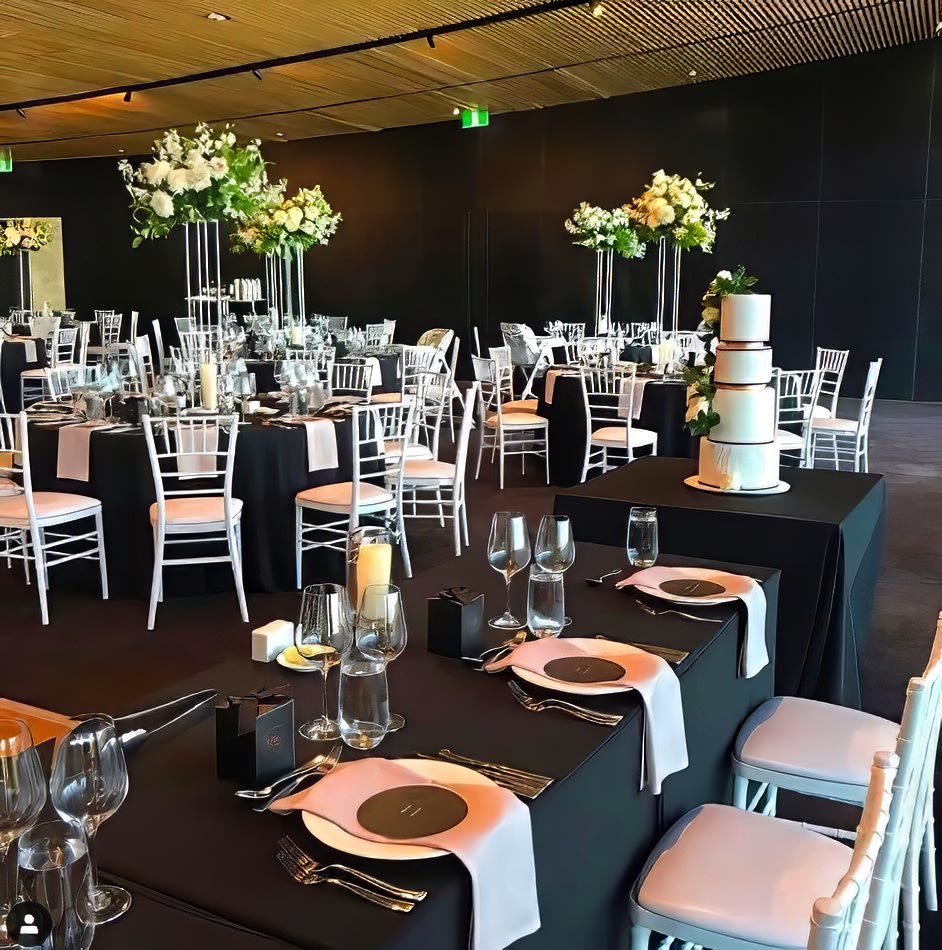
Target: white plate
{"x":779,"y":489}
{"x":603,"y":648}
{"x":335,"y":837}
{"x":683,"y":574}
{"x":299,"y":666}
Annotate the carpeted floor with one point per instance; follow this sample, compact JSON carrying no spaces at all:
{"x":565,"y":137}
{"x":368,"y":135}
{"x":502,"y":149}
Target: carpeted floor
{"x":109,"y":647}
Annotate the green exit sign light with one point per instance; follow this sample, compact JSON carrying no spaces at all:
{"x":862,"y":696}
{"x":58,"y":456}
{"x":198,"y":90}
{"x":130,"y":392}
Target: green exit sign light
{"x":474,"y":118}
{"x":6,"y":160}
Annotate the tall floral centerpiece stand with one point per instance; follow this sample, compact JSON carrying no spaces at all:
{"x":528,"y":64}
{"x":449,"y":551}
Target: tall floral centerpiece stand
{"x":605,"y":232}
{"x":20,"y":236}
{"x":282,"y":230}
{"x":197,"y":182}
{"x":673,"y":214}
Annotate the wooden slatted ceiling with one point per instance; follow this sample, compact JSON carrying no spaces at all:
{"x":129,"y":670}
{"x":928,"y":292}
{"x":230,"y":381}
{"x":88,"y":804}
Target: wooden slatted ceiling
{"x":56,"y":47}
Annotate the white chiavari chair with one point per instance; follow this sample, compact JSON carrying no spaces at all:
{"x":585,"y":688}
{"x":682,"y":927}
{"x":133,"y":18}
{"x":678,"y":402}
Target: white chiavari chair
{"x":736,"y":880}
{"x":336,"y":324}
{"x":370,"y":493}
{"x":822,"y":750}
{"x":60,"y":349}
{"x":192,"y":460}
{"x":477,"y":341}
{"x":847,"y":440}
{"x":35,"y":515}
{"x":687,"y":341}
{"x":507,"y":433}
{"x":160,"y":352}
{"x":351,"y":379}
{"x":389,"y":332}
{"x":183,"y":324}
{"x":143,"y":362}
{"x":608,"y":395}
{"x":198,"y":346}
{"x":432,"y":395}
{"x":429,"y":483}
{"x":505,"y":370}
{"x":796,"y":392}
{"x":415,"y":361}
{"x":831,"y":364}
{"x":375,"y":334}
{"x":109,"y":329}
{"x":399,"y":422}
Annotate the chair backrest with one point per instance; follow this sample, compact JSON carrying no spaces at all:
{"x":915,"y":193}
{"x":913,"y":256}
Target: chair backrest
{"x":796,"y":394}
{"x":10,"y":460}
{"x":198,"y":449}
{"x":832,"y":364}
{"x":572,"y":332}
{"x":135,"y":316}
{"x":143,"y":361}
{"x":62,"y":349}
{"x":869,"y":395}
{"x":335,"y":324}
{"x":183,"y":324}
{"x":687,"y":340}
{"x":477,"y":341}
{"x":488,"y":379}
{"x":471,"y":397}
{"x":353,"y":379}
{"x":110,"y":324}
{"x":433,"y":390}
{"x":416,"y":360}
{"x":44,"y":328}
{"x":389,"y":331}
{"x":161,"y":354}
{"x":375,"y":334}
{"x":369,"y":457}
{"x":197,"y":346}
{"x":916,"y":748}
{"x":836,"y":920}
{"x":521,"y":339}
{"x":397,"y":420}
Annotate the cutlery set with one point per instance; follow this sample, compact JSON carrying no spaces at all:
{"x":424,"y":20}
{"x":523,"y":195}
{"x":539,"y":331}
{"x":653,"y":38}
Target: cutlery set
{"x":523,"y":784}
{"x":533,"y":704}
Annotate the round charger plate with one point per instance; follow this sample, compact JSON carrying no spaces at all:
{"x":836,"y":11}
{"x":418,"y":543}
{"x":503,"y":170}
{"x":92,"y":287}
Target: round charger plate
{"x":290,"y":659}
{"x":335,"y":837}
{"x":683,"y":573}
{"x":779,"y":489}
{"x":602,"y":648}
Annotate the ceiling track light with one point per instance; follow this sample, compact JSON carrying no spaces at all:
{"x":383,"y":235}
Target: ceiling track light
{"x":21,"y":113}
{"x":218,"y":17}
{"x":127,"y":96}
{"x":257,"y":75}
{"x":430,"y":39}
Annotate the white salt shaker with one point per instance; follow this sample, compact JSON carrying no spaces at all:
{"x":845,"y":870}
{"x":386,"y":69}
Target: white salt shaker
{"x":270,"y":640}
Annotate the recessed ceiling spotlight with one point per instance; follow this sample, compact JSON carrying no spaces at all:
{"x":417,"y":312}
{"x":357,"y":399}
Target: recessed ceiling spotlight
{"x":120,"y":151}
{"x":218,"y":17}
{"x":280,"y":134}
{"x":692,"y":73}
{"x":597,"y":9}
{"x":257,"y":75}
{"x":456,"y":111}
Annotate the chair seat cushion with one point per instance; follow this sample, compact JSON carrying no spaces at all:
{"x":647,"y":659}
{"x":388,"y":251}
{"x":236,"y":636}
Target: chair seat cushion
{"x":386,"y":397}
{"x":34,"y":373}
{"x":516,"y":420}
{"x":788,"y":440}
{"x":835,"y":425}
{"x":428,"y":470}
{"x":743,"y":875}
{"x":413,"y":451}
{"x":519,"y":405}
{"x":821,"y":412}
{"x":337,"y":497}
{"x":615,"y":435}
{"x":197,"y":509}
{"x":813,"y":739}
{"x":48,"y":504}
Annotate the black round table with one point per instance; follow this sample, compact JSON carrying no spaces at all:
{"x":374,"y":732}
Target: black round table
{"x":13,"y":360}
{"x":265,"y":381}
{"x":663,"y":407}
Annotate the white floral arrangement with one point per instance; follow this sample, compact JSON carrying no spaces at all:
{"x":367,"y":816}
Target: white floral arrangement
{"x":601,"y":230}
{"x":673,"y":207}
{"x":288,"y":226}
{"x":208,"y":177}
{"x":23,"y":234}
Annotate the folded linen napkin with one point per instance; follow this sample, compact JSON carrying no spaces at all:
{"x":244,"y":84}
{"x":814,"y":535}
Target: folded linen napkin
{"x":376,"y":376}
{"x":665,"y":742}
{"x":551,"y":376}
{"x":321,"y":445}
{"x":29,"y":347}
{"x":494,"y":841}
{"x":197,"y":440}
{"x":74,"y":445}
{"x":629,"y":399}
{"x":754,"y":655}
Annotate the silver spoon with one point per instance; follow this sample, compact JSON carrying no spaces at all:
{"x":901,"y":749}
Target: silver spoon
{"x":514,"y":641}
{"x":311,"y":766}
{"x":598,"y":581}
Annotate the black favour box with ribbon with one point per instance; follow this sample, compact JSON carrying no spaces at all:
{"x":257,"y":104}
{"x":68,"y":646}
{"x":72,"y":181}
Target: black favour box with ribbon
{"x":456,"y":623}
{"x":255,"y":736}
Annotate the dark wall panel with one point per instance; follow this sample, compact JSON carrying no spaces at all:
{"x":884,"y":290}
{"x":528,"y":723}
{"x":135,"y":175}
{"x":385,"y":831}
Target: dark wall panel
{"x":929,"y":339}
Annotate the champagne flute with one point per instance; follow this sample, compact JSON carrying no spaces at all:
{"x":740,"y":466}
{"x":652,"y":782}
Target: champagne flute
{"x":89,"y":782}
{"x":22,"y":796}
{"x":508,"y":552}
{"x":381,"y":632}
{"x":555,"y":548}
{"x":322,"y":638}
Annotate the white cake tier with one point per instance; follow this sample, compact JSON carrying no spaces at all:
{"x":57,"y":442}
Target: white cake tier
{"x":747,"y":416}
{"x":744,"y":318}
{"x":739,"y":467}
{"x":743,"y":364}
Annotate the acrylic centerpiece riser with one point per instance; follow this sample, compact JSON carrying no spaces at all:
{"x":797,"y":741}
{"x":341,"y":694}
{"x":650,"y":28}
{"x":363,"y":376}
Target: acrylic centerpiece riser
{"x":207,"y":305}
{"x":603,"y":291}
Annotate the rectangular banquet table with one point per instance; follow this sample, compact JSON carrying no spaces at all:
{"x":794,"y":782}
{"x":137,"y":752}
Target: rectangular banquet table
{"x":183,"y":835}
{"x":825,"y":535}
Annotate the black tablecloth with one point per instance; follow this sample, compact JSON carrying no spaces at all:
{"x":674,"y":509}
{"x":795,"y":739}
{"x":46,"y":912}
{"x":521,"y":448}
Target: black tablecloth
{"x":265,"y":381}
{"x":12,"y":362}
{"x":271,"y":467}
{"x":825,"y":534}
{"x":662,"y":411}
{"x":182,"y":833}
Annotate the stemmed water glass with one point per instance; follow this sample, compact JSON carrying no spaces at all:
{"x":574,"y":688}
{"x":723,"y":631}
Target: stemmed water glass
{"x":381,"y":632}
{"x":22,"y":796}
{"x":323,"y":637}
{"x":508,"y":552}
{"x":555,"y":547}
{"x":89,"y":783}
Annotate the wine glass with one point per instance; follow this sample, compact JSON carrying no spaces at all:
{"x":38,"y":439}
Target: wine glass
{"x":22,"y":796}
{"x":555,"y":547}
{"x":381,"y":632}
{"x":89,"y":782}
{"x":508,"y":551}
{"x":322,"y":638}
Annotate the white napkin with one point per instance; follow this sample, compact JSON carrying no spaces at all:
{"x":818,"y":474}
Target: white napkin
{"x":754,"y":656}
{"x":202,"y":439}
{"x":74,"y":445}
{"x":376,"y":376}
{"x":321,"y":445}
{"x":665,"y":742}
{"x":551,"y":383}
{"x":30,"y":348}
{"x":630,"y":398}
{"x":494,"y":841}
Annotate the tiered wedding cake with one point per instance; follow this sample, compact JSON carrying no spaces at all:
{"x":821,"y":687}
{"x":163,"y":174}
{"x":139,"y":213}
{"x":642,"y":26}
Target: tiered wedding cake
{"x":740,"y":453}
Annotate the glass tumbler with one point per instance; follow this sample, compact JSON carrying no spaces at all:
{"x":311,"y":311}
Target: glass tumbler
{"x":642,"y":537}
{"x":53,"y":870}
{"x":364,"y":701}
{"x":546,"y":603}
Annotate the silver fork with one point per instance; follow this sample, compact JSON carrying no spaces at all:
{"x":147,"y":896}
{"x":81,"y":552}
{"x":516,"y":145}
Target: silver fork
{"x":648,"y":609}
{"x":577,"y":712}
{"x":315,"y":867}
{"x":307,"y":877}
{"x":333,"y":757}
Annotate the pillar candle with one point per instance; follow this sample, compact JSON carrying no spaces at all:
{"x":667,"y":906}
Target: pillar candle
{"x":374,"y":566}
{"x":296,"y":336}
{"x":208,"y":385}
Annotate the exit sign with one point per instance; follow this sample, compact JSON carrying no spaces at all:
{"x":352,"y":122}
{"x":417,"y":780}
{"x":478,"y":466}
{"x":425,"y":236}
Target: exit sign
{"x":474,"y":118}
{"x":6,"y":160}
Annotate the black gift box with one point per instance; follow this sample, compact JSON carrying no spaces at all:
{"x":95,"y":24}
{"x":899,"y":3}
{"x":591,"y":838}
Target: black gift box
{"x":255,"y":736}
{"x":456,"y":625}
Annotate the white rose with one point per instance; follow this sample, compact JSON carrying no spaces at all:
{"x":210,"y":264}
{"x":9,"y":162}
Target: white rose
{"x":279,"y":216}
{"x":218,"y":166}
{"x":178,"y":180}
{"x":307,"y":227}
{"x":199,"y":178}
{"x":156,"y":171}
{"x":12,"y":236}
{"x":294,"y":219}
{"x":162,"y":204}
{"x":724,"y":275}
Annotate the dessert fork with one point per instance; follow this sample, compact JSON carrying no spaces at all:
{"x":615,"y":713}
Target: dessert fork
{"x":577,"y":712}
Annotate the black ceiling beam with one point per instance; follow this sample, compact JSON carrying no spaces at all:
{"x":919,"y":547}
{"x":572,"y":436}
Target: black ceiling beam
{"x":506,"y":16}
